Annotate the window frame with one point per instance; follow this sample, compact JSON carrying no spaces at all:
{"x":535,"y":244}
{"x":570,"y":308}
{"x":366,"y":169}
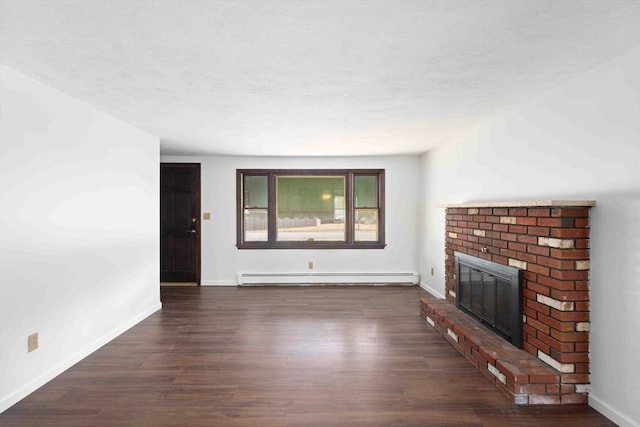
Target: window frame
{"x":350,"y":209}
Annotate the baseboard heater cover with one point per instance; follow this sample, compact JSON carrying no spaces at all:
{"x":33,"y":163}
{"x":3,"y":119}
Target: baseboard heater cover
{"x":252,"y":279}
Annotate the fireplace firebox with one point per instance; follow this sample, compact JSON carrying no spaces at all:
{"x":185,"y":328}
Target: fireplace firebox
{"x":491,"y":293}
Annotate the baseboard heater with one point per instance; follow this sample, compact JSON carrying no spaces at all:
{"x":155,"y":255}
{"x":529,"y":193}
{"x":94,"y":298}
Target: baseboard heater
{"x":257,"y":279}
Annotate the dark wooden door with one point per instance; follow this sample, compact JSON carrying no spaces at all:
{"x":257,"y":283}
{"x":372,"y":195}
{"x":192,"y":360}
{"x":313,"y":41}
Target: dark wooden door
{"x":180,"y":222}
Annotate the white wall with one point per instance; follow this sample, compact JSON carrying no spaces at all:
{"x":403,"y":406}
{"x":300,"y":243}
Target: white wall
{"x":221,"y":260}
{"x":79,"y":244}
{"x":578,"y":141}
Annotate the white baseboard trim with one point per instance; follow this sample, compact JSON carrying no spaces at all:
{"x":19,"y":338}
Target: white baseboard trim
{"x":306,"y":278}
{"x":613,"y":414}
{"x":217,"y":283}
{"x":14,"y":397}
{"x":431,"y":290}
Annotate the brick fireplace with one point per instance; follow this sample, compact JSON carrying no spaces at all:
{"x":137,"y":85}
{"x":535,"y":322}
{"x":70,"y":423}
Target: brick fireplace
{"x":549,"y":241}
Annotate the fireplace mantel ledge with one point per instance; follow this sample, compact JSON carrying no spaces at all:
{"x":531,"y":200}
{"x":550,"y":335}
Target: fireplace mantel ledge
{"x":521,"y":204}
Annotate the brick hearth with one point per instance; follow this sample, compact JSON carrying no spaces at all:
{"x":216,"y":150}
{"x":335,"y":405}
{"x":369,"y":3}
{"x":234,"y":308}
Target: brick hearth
{"x":549,"y":240}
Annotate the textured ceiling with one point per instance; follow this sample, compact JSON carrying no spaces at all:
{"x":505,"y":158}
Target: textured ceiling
{"x":310,"y":77}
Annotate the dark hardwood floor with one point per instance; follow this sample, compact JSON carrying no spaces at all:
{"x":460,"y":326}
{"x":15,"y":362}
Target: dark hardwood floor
{"x":312,"y":356}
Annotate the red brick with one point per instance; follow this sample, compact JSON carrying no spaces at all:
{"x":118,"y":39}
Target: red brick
{"x":518,"y":229}
{"x":538,"y":231}
{"x":570,"y":233}
{"x":528,"y":329}
{"x":570,"y":316}
{"x":513,"y":371}
{"x":582,"y":222}
{"x":567,"y":388}
{"x":520,"y":247}
{"x":569,"y":337}
{"x":500,"y":259}
{"x":492,"y":219}
{"x":539,"y":345}
{"x":538,"y":250}
{"x":501,"y":227}
{"x":570,"y":295}
{"x":528,"y":294}
{"x":492,"y":234}
{"x":544,"y":399}
{"x":541,"y":308}
{"x":538,"y":269}
{"x":552,"y":389}
{"x":523,"y":256}
{"x":529,"y":276}
{"x":554,"y":343}
{"x":528,"y":239}
{"x":557,"y":324}
{"x":529,"y":312}
{"x":488,"y":353}
{"x":543,"y":375}
{"x":556,"y":263}
{"x":582,"y":368}
{"x":529,"y":389}
{"x":582,"y":286}
{"x":578,"y":254}
{"x":582,"y":347}
{"x":485,"y":211}
{"x":484,"y":241}
{"x":538,"y":325}
{"x":549,"y":222}
{"x":501,"y":211}
{"x":539,"y":212}
{"x":499,"y":243}
{"x":509,"y":236}
{"x":582,"y":306}
{"x":508,"y":253}
{"x":526,"y":221}
{"x":567,"y":285}
{"x":529,"y":348}
{"x":582,"y":243}
{"x":571,"y":399}
{"x":571,"y":357}
{"x":570,"y":274}
{"x":570,"y":212}
{"x":538,"y":288}
{"x":574,"y":378}
{"x":519,"y":212}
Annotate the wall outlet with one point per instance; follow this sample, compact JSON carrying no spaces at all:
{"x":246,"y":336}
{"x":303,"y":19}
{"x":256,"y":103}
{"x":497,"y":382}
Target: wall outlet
{"x":32,"y":342}
{"x":310,"y":265}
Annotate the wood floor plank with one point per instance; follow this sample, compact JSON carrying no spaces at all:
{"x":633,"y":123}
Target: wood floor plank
{"x":282,"y":356}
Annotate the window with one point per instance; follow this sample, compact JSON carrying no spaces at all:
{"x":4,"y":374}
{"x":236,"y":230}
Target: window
{"x":305,"y":209}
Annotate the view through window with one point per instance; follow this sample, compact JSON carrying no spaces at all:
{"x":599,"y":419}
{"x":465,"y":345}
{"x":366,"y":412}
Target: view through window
{"x":310,"y":208}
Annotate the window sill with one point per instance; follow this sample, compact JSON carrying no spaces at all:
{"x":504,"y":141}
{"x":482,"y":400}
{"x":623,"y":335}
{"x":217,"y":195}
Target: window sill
{"x":312,"y":245}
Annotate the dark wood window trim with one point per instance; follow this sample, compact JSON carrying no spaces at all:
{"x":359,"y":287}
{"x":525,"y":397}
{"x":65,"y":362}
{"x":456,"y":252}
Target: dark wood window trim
{"x":272,"y":243}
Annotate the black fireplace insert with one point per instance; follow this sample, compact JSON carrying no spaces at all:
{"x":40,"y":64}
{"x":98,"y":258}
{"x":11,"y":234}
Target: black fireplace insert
{"x":490,"y":292}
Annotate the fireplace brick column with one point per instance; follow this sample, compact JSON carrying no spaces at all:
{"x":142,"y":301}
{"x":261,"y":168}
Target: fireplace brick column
{"x":549,"y":240}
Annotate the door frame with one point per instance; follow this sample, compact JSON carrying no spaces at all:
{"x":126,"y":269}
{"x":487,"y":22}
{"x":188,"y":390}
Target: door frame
{"x":198,"y":246}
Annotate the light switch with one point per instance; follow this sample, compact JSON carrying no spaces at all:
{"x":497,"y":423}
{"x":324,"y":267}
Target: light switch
{"x":206,"y":216}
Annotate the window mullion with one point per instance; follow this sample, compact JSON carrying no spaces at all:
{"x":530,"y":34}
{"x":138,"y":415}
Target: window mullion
{"x":272,"y":211}
{"x":349,"y":208}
